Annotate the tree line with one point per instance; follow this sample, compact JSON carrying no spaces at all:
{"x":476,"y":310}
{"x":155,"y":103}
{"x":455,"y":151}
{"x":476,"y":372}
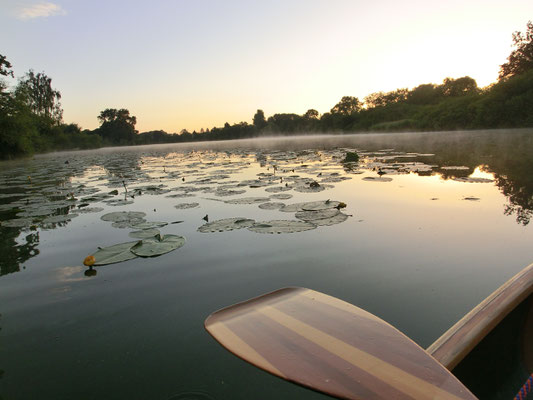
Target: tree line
{"x":31,"y":113}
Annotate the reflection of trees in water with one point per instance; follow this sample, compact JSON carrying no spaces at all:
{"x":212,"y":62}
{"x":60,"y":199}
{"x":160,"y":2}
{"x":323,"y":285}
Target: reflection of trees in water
{"x":506,"y":154}
{"x":517,"y":186}
{"x":13,"y":253}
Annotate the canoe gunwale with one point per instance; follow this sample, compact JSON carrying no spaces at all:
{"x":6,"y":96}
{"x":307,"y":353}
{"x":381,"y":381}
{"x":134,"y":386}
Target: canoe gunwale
{"x":461,"y":338}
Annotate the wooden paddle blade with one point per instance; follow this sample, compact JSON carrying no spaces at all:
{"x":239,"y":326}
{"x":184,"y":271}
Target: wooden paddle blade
{"x":331,"y":346}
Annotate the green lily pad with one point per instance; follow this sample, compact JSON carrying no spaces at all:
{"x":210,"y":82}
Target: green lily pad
{"x":144,"y":233}
{"x":158,"y":245}
{"x":184,"y":206}
{"x":281,"y":196}
{"x":281,"y":226}
{"x":305,"y":188}
{"x":180,"y":195}
{"x":128,"y":223}
{"x":118,"y":202}
{"x":310,"y":206}
{"x":278,"y":189}
{"x":320,"y":205}
{"x":248,"y":200}
{"x":315,"y":215}
{"x":455,"y":167}
{"x":334,"y":179}
{"x":322,"y":217}
{"x":149,"y":225}
{"x":54,"y":219}
{"x":114,"y":254}
{"x":225,"y":193}
{"x":227,"y":224}
{"x":17,"y":223}
{"x":122,"y":216}
{"x":469,"y":180}
{"x":377,"y":179}
{"x":271,"y":206}
{"x":88,"y":210}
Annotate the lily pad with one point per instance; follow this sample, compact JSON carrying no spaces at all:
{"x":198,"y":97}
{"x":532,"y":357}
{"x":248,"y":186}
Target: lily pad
{"x":158,"y":245}
{"x":149,"y":225}
{"x":88,"y":210}
{"x":128,"y":223}
{"x":227,"y":224}
{"x":54,"y":219}
{"x":122,"y":216}
{"x":377,"y":179}
{"x":184,"y":206}
{"x":471,"y":180}
{"x":114,"y":254}
{"x":305,"y":188}
{"x":181,"y":195}
{"x":311,"y":216}
{"x":282,"y":196}
{"x":278,"y":189}
{"x":144,"y":233}
{"x":118,"y":202}
{"x":281,"y":226}
{"x":17,"y":223}
{"x":248,"y":200}
{"x":30,"y":212}
{"x":271,"y":206}
{"x":310,"y":206}
{"x":227,"y":193}
{"x":322,"y":217}
{"x":455,"y":167}
{"x":320,"y":205}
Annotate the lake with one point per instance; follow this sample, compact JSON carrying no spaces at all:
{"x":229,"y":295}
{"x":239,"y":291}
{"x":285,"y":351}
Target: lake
{"x":418,"y":231}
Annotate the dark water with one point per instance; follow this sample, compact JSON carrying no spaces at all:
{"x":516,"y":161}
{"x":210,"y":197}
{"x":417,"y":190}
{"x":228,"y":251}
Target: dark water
{"x":419,"y":250}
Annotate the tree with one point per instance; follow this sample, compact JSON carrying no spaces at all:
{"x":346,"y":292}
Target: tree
{"x":381,"y":99}
{"x":521,"y":58}
{"x":117,"y":126}
{"x":5,"y":70}
{"x":5,"y":67}
{"x":259,"y":119}
{"x":347,"y":106}
{"x":424,"y":94}
{"x":458,"y":87}
{"x":311,"y":114}
{"x":42,"y":99}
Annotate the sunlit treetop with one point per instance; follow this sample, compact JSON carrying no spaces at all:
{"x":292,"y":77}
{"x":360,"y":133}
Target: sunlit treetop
{"x":521,"y":58}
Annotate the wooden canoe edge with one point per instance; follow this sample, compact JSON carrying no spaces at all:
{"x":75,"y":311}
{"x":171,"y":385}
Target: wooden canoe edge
{"x":462,"y":337}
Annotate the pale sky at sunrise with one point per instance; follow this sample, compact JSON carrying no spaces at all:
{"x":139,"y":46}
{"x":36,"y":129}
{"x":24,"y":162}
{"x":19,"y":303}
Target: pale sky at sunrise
{"x":200,"y":63}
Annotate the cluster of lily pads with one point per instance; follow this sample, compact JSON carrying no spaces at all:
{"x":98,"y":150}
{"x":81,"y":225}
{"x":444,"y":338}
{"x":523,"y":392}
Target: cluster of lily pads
{"x":152,"y":243}
{"x":51,"y":192}
{"x":309,"y":215}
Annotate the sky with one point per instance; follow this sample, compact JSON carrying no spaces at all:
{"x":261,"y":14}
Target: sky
{"x":193,"y":64}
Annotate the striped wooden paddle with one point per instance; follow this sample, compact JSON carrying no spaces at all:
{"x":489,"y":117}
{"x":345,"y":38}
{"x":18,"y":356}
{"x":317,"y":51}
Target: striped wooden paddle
{"x":331,"y":346}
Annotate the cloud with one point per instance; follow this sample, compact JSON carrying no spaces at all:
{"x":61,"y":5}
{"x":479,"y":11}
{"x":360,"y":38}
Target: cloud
{"x":40,"y":10}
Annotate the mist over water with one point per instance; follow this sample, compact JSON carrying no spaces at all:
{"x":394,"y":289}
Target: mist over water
{"x":435,"y":222}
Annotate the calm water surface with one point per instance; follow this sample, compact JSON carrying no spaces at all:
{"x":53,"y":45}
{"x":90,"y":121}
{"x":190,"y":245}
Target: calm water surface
{"x":435,"y":223}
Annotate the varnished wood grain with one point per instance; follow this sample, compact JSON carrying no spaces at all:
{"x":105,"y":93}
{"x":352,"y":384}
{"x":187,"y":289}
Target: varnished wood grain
{"x":461,"y":338}
{"x":527,"y":338}
{"x":329,"y":345}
